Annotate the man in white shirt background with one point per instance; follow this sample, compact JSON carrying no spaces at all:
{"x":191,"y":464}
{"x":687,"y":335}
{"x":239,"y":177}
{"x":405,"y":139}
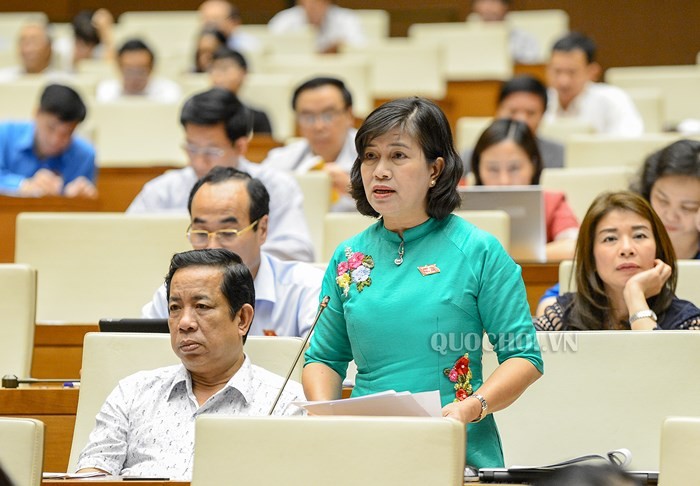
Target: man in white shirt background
{"x":136,"y":62}
{"x":226,"y":17}
{"x":574,"y":94}
{"x":229,"y":209}
{"x":146,"y":425}
{"x":323,"y":109}
{"x":217,"y":131}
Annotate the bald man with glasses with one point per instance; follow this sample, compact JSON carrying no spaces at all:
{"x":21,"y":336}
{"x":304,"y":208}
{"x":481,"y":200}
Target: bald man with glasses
{"x":229,"y":209}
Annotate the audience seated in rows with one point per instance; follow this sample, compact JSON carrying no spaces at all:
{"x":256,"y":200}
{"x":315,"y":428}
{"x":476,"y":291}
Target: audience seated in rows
{"x":506,"y":154}
{"x":217,"y":130}
{"x":323,"y":108}
{"x":228,"y":70}
{"x":524,"y":47}
{"x":574,"y":94}
{"x":226,"y":18}
{"x":229,"y":209}
{"x":625,"y":272}
{"x":136,"y":61}
{"x":146,"y":425}
{"x":42,"y":157}
{"x":524,"y":98}
{"x":335,"y":26}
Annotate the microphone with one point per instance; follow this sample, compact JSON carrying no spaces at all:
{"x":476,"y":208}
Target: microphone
{"x":321,"y":307}
{"x":11,"y":381}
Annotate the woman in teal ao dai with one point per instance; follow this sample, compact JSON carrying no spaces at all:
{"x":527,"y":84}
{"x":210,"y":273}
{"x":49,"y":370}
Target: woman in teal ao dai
{"x":416,"y":291}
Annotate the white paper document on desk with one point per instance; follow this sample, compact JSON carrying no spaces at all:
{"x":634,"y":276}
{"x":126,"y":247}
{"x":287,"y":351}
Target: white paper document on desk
{"x":385,"y":404}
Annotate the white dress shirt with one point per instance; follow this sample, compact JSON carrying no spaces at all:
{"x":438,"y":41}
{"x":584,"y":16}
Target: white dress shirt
{"x":608,"y":109}
{"x":296,"y":157}
{"x":340,"y":26}
{"x":286,"y":298}
{"x":287,"y":236}
{"x":146,"y":425}
{"x":158,"y":89}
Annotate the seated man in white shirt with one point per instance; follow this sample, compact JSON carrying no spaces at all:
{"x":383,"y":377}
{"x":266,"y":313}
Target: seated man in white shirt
{"x":136,"y":61}
{"x":35,"y":53}
{"x":334,"y":25}
{"x":323,"y":108}
{"x":146,"y":425}
{"x":574,"y":94}
{"x":217,"y":131}
{"x":229,"y":209}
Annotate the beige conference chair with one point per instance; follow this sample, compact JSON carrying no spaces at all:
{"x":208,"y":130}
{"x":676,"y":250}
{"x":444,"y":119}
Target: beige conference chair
{"x":496,"y":222}
{"x":686,"y":288}
{"x":371,"y":451}
{"x":596,"y":150}
{"x":680,"y":446}
{"x":547,"y":26}
{"x":109,"y":357}
{"x":316,"y":187}
{"x":19,"y":315}
{"x":273,"y":94}
{"x":338,"y":227}
{"x":582,"y":185}
{"x":22,"y":450}
{"x":469,"y":129}
{"x":601,"y":390}
{"x":96,"y":265}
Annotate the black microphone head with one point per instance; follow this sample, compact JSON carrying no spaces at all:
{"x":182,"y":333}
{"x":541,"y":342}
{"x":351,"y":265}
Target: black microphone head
{"x":10,"y":381}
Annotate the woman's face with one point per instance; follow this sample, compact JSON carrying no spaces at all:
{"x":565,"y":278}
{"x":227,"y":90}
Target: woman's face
{"x":623,"y":246}
{"x":506,"y":164}
{"x":206,"y":47}
{"x":396,"y":178}
{"x":676,"y":199}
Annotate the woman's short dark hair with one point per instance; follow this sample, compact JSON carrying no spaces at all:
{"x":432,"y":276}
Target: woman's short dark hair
{"x":591,"y":307}
{"x":681,"y":158}
{"x":236,"y":284}
{"x":507,"y":129}
{"x":425,"y":122}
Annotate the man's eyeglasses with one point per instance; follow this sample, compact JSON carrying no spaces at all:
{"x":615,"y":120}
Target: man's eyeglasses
{"x":325,"y":117}
{"x":207,"y":152}
{"x":200,"y":238}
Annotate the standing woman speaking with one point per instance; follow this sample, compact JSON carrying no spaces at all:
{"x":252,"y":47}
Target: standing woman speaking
{"x":418,"y":278}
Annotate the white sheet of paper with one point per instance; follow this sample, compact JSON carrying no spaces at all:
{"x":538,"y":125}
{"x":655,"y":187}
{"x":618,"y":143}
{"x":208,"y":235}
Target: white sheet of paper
{"x":385,"y":404}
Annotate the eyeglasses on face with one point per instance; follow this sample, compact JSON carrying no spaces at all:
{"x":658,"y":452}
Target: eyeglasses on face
{"x":207,"y":152}
{"x":326,"y":117}
{"x":200,"y":238}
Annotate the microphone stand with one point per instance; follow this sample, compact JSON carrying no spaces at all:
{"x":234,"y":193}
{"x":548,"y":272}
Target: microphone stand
{"x":321,"y":307}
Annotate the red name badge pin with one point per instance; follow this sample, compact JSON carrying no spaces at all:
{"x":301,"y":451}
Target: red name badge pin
{"x":426,"y":270}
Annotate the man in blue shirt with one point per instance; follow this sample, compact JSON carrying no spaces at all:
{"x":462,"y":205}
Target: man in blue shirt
{"x":42,"y":158}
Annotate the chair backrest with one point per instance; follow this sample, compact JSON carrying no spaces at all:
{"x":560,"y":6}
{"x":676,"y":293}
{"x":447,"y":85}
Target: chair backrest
{"x":496,"y":222}
{"x":606,"y":150}
{"x":468,"y":131}
{"x":582,"y":185}
{"x":601,"y":390}
{"x":375,"y":23}
{"x":272,"y":93}
{"x":316,"y":187}
{"x":18,"y":311}
{"x":109,"y":357}
{"x":650,"y":105}
{"x":680,"y":446}
{"x":561,"y":130}
{"x":678,"y":86}
{"x":22,"y":450}
{"x":170,"y":34}
{"x":470,"y":50}
{"x":95,"y":265}
{"x":686,"y":288}
{"x":338,"y":227}
{"x":547,"y":26}
{"x":393,"y":73}
{"x":132,"y":133}
{"x":344,"y":451}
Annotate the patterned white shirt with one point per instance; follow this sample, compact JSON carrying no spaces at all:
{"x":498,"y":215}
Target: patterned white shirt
{"x":286,"y":298}
{"x":146,"y":425}
{"x":288,"y":235}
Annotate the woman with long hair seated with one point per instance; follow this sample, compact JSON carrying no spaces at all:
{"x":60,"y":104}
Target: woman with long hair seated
{"x":506,"y":154}
{"x":625,"y":273}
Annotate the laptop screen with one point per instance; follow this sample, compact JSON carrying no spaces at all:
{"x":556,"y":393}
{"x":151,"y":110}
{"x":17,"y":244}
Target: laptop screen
{"x":524,"y":205}
{"x":134,"y":325}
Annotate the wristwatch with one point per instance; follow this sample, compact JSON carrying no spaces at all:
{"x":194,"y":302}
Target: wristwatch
{"x":642,"y":314}
{"x":484,"y":407}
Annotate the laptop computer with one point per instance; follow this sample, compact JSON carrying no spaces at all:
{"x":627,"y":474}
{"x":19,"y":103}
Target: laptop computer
{"x":524,"y":205}
{"x":134,"y":325}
